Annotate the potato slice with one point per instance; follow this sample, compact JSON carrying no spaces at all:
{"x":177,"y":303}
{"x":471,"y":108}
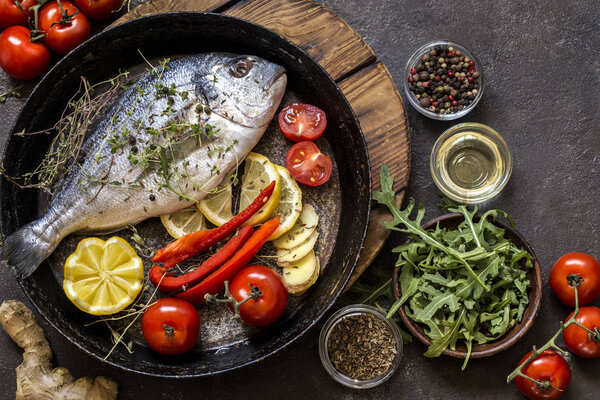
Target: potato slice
{"x":288,"y":257}
{"x":302,"y":229}
{"x":302,"y":275}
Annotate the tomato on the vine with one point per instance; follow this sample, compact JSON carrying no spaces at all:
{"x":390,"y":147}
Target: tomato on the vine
{"x":307,"y":164}
{"x":300,"y":122}
{"x":11,"y":14}
{"x":171,"y":326}
{"x":547,"y":367}
{"x":580,"y":341}
{"x":98,"y":9}
{"x":273,"y":299}
{"x":62,"y":38}
{"x":584,"y":265}
{"x":19,"y":56}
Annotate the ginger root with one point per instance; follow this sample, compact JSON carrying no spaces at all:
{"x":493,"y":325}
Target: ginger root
{"x":35,"y":377}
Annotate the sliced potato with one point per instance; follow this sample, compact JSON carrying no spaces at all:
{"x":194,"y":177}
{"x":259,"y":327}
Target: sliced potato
{"x":288,"y":257}
{"x":302,"y":275}
{"x":301,"y":231}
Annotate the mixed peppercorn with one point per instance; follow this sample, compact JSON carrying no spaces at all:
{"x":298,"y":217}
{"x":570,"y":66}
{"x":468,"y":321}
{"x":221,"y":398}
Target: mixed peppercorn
{"x":444,"y":81}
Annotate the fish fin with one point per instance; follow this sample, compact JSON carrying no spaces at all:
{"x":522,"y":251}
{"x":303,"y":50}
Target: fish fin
{"x":25,"y":250}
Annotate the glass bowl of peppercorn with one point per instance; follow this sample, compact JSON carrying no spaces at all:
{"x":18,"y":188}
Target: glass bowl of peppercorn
{"x":359,"y":347}
{"x":443,"y":80}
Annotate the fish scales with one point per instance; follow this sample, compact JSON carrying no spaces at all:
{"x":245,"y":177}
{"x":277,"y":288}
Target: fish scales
{"x":234,"y":97}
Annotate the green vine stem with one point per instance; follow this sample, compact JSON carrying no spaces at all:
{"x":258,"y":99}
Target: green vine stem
{"x":573,"y":280}
{"x":255,"y":293}
{"x":14,"y":92}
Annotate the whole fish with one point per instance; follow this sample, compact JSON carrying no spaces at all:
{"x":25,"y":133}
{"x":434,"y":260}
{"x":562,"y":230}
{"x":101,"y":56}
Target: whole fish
{"x":167,"y":141}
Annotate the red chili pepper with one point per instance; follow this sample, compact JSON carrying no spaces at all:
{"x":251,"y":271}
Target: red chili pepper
{"x":215,"y":282}
{"x":173,"y":283}
{"x":196,"y":242}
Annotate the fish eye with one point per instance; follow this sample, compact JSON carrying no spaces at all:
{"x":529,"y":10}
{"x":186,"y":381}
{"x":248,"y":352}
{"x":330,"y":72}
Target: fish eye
{"x":241,"y":68}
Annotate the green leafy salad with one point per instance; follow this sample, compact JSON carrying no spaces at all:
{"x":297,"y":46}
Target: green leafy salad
{"x":466,"y":284}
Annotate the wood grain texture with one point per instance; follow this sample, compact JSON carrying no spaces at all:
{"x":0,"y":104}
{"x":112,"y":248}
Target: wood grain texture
{"x":367,"y":84}
{"x":327,"y":38}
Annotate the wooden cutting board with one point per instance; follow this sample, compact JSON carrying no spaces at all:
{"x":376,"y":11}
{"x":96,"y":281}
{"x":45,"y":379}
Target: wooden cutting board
{"x":366,"y":82}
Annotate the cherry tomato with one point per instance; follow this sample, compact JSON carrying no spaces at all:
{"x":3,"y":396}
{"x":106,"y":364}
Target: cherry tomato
{"x":269,"y":306}
{"x":98,"y":9}
{"x":19,"y":57}
{"x":171,"y":326}
{"x":11,"y":14}
{"x":300,"y":122}
{"x":62,"y":38}
{"x":580,"y":264}
{"x":548,"y":366}
{"x":307,"y":164}
{"x":578,"y":340}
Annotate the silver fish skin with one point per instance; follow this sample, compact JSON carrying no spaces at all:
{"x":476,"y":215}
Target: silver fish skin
{"x":237,"y":95}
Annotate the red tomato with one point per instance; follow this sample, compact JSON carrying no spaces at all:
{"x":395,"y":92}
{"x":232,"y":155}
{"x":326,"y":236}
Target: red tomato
{"x":11,"y":14}
{"x":171,"y":326}
{"x":62,"y":38}
{"x":548,"y":366}
{"x":580,"y":264}
{"x":99,"y":9}
{"x":578,"y":340}
{"x":272,"y":302}
{"x":307,"y":164}
{"x":19,"y":57}
{"x":300,"y":122}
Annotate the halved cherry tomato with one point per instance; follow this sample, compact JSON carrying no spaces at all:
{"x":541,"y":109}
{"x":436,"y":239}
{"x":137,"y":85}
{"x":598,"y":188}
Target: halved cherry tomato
{"x":98,"y":9}
{"x":271,"y":303}
{"x":11,"y":14}
{"x":580,"y":264}
{"x":62,"y":38}
{"x":580,"y":341}
{"x":21,"y":58}
{"x":307,"y":164}
{"x":300,"y":122}
{"x":548,"y":366}
{"x":171,"y":326}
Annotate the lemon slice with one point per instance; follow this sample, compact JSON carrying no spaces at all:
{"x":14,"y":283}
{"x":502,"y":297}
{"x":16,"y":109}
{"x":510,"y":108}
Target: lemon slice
{"x":290,"y":203}
{"x":103,"y":277}
{"x":259,"y":172}
{"x":216,"y":207}
{"x":183,"y":222}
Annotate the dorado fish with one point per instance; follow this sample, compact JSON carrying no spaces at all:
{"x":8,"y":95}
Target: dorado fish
{"x":165,"y":143}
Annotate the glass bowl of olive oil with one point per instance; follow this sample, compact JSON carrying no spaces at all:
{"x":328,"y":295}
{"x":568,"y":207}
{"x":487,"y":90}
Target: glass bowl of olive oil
{"x":470,"y":163}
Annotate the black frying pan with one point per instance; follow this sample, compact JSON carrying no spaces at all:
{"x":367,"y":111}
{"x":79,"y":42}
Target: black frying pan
{"x":188,"y":33}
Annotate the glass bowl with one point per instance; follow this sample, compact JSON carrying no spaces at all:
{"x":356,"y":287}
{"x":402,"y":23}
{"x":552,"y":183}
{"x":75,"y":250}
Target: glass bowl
{"x":449,"y":148}
{"x":357,"y":309}
{"x":416,"y":59}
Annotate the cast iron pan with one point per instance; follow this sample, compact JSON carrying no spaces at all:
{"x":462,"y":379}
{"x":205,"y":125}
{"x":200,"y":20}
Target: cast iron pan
{"x":345,"y":205}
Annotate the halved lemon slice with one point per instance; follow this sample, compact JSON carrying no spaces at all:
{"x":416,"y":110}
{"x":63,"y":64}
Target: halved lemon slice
{"x":216,"y":207}
{"x":290,"y":202}
{"x":183,"y":222}
{"x":103,"y":277}
{"x":259,"y":172}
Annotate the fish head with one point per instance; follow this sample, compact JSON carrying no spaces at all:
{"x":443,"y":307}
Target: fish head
{"x":245,"y":89}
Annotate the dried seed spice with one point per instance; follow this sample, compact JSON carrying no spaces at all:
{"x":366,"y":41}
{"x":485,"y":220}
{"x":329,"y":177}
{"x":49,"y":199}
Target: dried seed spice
{"x":361,"y":347}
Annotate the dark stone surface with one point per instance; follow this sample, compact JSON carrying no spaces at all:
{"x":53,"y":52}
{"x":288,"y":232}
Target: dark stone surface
{"x":542,"y":94}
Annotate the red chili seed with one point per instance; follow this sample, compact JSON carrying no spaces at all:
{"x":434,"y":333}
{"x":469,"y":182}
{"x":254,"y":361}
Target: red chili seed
{"x":471,"y":63}
{"x":438,"y":78}
{"x":451,"y":53}
{"x":431,"y":100}
{"x":410,"y":78}
{"x":461,"y":78}
{"x":450,"y":97}
{"x":470,"y":79}
{"x":472,"y":69}
{"x":450,"y":73}
{"x":413,"y":71}
{"x":454,"y":102}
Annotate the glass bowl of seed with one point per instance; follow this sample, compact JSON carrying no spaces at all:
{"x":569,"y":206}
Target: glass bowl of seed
{"x":359,"y":347}
{"x":443,"y":80}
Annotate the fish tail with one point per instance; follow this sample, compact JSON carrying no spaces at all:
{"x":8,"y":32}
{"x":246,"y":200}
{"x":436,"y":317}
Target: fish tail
{"x":26,"y":248}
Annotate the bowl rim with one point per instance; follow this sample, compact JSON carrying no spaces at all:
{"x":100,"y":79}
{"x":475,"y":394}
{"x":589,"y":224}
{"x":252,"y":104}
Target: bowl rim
{"x":506,"y":341}
{"x":413,"y":60}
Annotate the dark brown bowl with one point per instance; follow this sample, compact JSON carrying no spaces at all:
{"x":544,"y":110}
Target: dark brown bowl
{"x":451,"y":221}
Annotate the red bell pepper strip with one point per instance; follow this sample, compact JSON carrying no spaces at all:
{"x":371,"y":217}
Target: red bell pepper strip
{"x":215,"y":282}
{"x":173,"y":283}
{"x":196,"y":242}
